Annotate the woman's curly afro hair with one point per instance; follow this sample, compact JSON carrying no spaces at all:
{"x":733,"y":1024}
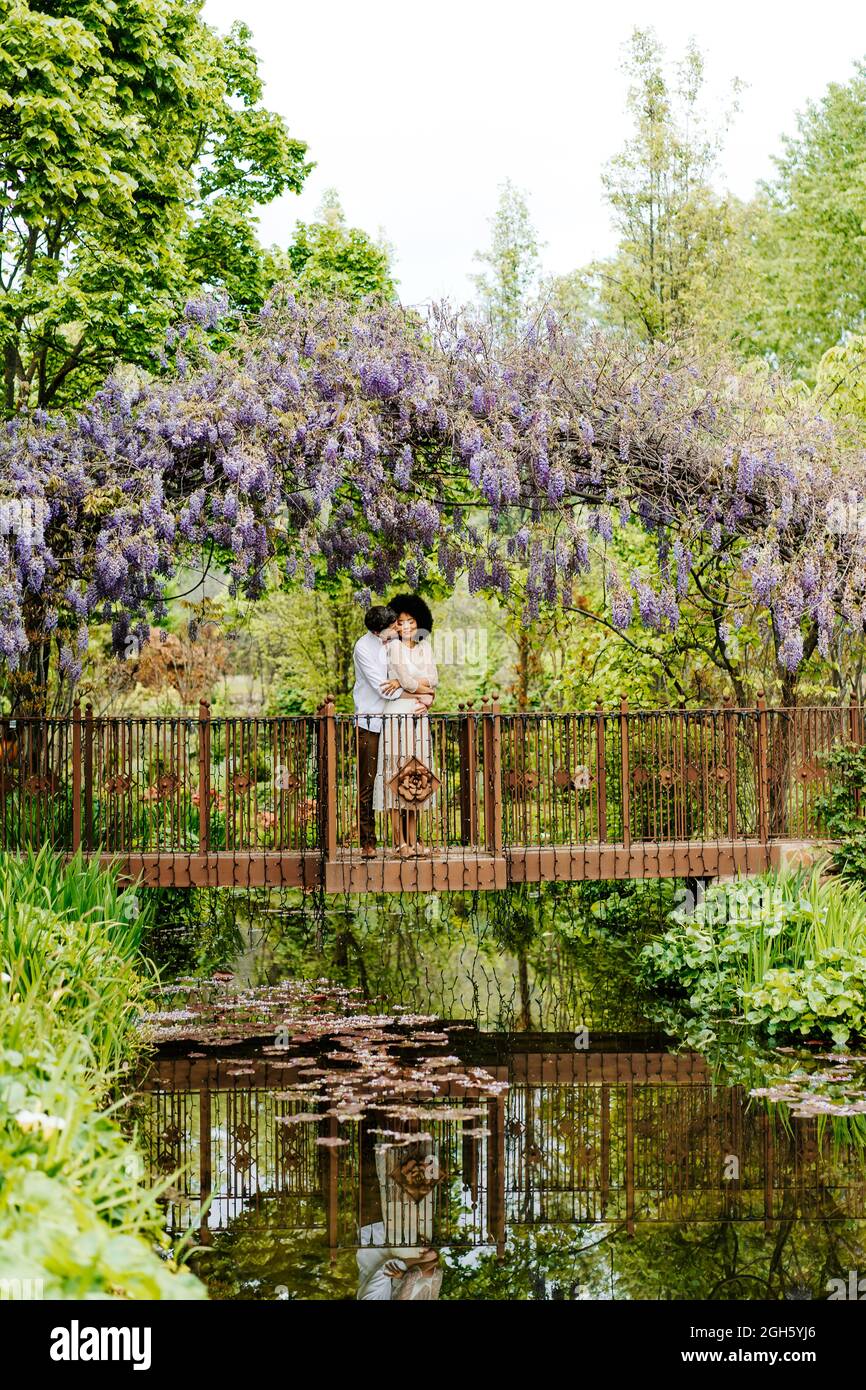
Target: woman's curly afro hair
{"x":415,"y":606}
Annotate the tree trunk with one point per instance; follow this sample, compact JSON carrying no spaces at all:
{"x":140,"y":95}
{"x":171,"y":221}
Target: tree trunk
{"x":28,"y":686}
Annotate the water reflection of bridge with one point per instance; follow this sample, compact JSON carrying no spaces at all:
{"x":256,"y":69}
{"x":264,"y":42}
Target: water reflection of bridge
{"x":506,"y":798}
{"x":620,"y":1137}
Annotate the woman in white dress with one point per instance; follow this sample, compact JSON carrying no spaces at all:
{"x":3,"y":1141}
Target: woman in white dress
{"x":406,"y":726}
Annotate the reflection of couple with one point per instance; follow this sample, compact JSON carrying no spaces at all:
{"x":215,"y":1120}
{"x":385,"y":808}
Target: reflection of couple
{"x":395,"y":1260}
{"x":395,"y":677}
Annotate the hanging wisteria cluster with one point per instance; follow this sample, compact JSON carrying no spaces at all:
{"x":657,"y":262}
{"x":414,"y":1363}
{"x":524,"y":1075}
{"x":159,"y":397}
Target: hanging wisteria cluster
{"x":374,"y":443}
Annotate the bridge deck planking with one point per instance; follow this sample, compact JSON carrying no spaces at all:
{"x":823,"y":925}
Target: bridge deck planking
{"x":458,"y":869}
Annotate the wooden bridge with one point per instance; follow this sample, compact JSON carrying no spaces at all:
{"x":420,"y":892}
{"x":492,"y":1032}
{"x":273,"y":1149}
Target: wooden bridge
{"x":195,"y":800}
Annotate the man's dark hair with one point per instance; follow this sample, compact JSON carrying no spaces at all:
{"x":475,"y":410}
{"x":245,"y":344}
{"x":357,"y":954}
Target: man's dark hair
{"x":377,"y":618}
{"x":415,"y":606}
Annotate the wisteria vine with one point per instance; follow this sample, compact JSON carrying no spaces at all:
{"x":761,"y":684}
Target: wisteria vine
{"x":374,"y":443}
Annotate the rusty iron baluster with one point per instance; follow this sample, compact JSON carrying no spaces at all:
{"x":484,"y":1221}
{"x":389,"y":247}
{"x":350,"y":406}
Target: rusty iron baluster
{"x":332,"y":1190}
{"x":88,"y":778}
{"x":180,"y":787}
{"x":203,"y":776}
{"x":110,"y":771}
{"x":604,"y":1179}
{"x":76,"y":776}
{"x":497,"y":1197}
{"x":128,"y":768}
{"x":707,"y":735}
{"x":493,"y":778}
{"x":321,"y":772}
{"x":813,"y":747}
{"x":469,"y":790}
{"x":651,"y":798}
{"x":496,"y":773}
{"x":624,"y":771}
{"x":855,"y":735}
{"x":242,"y":759}
{"x":328,"y":778}
{"x":278,"y":774}
{"x":601,"y":771}
{"x":679,"y":771}
{"x":763,"y":778}
{"x":253,"y":834}
{"x":731,"y":762}
{"x":629,"y":1158}
{"x":769,"y":1167}
{"x":205,"y":1171}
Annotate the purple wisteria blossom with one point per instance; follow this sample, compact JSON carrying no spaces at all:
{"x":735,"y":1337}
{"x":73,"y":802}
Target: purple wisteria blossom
{"x":369,"y":441}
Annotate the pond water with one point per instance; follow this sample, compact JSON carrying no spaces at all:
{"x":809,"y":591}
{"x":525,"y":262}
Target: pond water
{"x":469,"y":1097}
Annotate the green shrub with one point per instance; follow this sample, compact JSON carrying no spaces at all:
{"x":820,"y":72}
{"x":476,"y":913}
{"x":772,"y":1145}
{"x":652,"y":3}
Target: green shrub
{"x":785,"y":953}
{"x":842,"y":809}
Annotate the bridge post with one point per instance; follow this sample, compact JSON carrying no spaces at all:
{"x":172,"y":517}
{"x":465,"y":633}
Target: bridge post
{"x":88,"y":777}
{"x":76,"y":775}
{"x":763,"y":772}
{"x":203,"y":776}
{"x":601,"y":771}
{"x":625,"y":796}
{"x":493,"y":779}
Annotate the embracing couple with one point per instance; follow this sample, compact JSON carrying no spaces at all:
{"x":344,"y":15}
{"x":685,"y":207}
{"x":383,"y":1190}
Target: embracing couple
{"x":395,"y":682}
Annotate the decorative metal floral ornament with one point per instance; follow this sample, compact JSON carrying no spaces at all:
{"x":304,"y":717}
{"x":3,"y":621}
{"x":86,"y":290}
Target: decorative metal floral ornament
{"x":521,"y":780}
{"x":39,"y":785}
{"x":118,"y":785}
{"x":416,"y":1175}
{"x":414,"y":783}
{"x":810,"y":770}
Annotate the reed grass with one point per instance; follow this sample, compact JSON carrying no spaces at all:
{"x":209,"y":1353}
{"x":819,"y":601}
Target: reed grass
{"x":74,"y":1213}
{"x":785,"y":952}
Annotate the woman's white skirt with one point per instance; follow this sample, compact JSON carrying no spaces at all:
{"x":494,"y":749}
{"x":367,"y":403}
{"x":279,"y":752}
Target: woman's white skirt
{"x":404,"y":736}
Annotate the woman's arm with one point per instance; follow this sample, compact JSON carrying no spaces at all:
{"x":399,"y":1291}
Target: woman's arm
{"x":428,"y":664}
{"x":400,"y":666}
{"x":425,"y":665}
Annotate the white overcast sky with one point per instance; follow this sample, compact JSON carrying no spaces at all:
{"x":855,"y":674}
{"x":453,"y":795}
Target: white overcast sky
{"x":416,"y":112}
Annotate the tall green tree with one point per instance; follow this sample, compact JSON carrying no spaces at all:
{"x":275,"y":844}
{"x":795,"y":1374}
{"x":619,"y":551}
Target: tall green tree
{"x":330,"y":257}
{"x":807,"y":257}
{"x":512,"y":260}
{"x":134,"y":149}
{"x":505,"y":292}
{"x":676,"y":234}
